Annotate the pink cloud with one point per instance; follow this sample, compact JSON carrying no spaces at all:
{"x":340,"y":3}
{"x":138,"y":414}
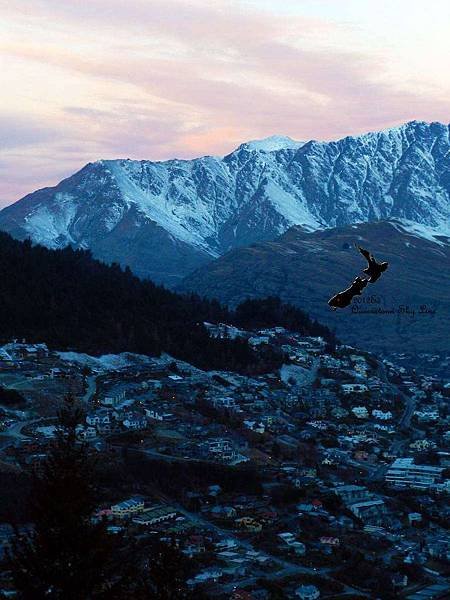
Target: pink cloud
{"x":220,"y":75}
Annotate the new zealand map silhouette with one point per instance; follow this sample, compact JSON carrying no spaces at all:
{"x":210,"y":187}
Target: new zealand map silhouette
{"x":373,"y":271}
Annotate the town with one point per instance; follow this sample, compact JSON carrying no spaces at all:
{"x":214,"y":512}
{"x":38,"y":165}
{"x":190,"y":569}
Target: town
{"x":328,"y":478}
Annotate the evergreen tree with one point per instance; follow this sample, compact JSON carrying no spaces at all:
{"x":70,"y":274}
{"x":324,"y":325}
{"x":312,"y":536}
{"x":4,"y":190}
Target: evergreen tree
{"x":69,"y":300}
{"x":67,"y":556}
{"x":168,"y":570}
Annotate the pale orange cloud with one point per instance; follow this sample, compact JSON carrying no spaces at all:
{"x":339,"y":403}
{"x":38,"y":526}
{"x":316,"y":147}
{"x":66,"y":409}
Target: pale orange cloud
{"x":153,"y":79}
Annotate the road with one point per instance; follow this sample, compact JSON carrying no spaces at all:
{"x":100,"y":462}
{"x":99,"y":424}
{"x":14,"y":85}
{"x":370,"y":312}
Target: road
{"x":410,"y":405}
{"x":15,"y":430}
{"x":91,"y":389}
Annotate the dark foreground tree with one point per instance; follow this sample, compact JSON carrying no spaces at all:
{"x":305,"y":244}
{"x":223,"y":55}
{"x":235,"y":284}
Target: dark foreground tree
{"x":166,"y":573}
{"x":66,"y":555}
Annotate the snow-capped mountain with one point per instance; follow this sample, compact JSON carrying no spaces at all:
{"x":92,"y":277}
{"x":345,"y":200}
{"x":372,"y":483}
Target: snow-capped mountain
{"x":164,"y":219}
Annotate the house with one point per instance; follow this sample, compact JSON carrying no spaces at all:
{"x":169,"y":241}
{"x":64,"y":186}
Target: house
{"x":228,"y":512}
{"x":154,"y":515}
{"x":224,"y":402}
{"x":86,"y":433}
{"x":134,"y":420}
{"x":329,"y":541}
{"x":254,"y":426}
{"x":207,"y":575}
{"x":360,"y":412}
{"x":414,"y":518}
{"x":98,"y":416}
{"x":195,"y":544}
{"x":221,"y":449}
{"x":154,"y":413}
{"x":383,"y":416}
{"x":354,"y":388}
{"x":249,"y":524}
{"x":404,"y":473}
{"x":242,"y":595}
{"x":360,"y":455}
{"x":214,"y":490}
{"x":352,"y":493}
{"x":307,"y":507}
{"x":307,"y":592}
{"x":127,"y":507}
{"x":370,"y":511}
{"x":113,"y":401}
{"x":292,"y":543}
{"x":24,"y":350}
{"x":399,"y":580}
{"x":100,"y":419}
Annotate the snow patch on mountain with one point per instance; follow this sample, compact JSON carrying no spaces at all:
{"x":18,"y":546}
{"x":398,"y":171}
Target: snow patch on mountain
{"x":50,"y":226}
{"x":272,"y":143}
{"x":168,"y":217}
{"x":422,"y":231}
{"x":293,"y":213}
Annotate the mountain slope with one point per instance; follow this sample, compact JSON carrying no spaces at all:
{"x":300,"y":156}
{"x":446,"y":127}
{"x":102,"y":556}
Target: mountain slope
{"x":306,"y":269}
{"x":164,"y":219}
{"x":69,"y":300}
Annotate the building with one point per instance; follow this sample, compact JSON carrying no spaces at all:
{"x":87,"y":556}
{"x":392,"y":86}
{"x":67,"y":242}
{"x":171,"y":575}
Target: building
{"x":127,"y":507}
{"x":404,"y":473}
{"x":354,"y":388}
{"x":221,"y":449}
{"x":360,"y":412}
{"x":414,"y":518}
{"x":224,"y":402}
{"x":307,"y":592}
{"x":86,"y":433}
{"x":292,"y":543}
{"x":154,"y":515}
{"x":330,"y":541}
{"x":370,"y":511}
{"x":383,"y":416}
{"x":134,"y":420}
{"x":352,"y":493}
{"x":113,"y":401}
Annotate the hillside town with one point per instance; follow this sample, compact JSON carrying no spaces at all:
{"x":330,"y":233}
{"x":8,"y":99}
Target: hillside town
{"x":328,"y":478}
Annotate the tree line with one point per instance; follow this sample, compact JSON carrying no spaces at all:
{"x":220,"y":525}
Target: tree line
{"x":72,"y":301}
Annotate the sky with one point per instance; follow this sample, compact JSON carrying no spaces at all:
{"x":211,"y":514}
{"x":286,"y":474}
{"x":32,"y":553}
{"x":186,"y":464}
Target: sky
{"x":158,"y":79}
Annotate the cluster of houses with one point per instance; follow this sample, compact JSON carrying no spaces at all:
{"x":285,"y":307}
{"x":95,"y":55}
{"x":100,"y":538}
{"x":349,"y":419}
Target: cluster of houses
{"x":350,"y":449}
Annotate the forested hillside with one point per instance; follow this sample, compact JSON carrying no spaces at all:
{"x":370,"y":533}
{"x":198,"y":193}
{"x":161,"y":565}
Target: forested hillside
{"x":69,"y":300}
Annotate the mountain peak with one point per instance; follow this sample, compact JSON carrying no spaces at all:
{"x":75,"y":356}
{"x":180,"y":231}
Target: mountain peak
{"x":165,"y":218}
{"x":272,"y":144}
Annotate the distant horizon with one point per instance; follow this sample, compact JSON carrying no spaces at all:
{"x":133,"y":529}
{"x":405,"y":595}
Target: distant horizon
{"x":4,"y":204}
{"x":165,"y":78}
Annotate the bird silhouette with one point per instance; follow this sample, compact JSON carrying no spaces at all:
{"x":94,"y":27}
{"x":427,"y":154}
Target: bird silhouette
{"x":374,"y":269}
{"x":343,"y":299}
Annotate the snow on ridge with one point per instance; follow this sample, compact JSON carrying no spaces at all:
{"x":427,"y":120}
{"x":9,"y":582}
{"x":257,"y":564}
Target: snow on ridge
{"x":155,"y":206}
{"x":106,"y":362}
{"x":51,"y":227}
{"x":272,"y":144}
{"x":293,"y":211}
{"x":417,"y":230}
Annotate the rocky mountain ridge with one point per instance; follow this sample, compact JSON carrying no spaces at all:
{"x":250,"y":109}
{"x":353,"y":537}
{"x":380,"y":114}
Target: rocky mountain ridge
{"x":165,"y":219}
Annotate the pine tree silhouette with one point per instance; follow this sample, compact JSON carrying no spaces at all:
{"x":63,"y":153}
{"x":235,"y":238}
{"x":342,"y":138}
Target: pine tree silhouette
{"x":67,"y":556}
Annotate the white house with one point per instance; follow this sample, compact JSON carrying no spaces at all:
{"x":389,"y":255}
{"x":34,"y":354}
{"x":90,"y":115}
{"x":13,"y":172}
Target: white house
{"x":383,"y":416}
{"x":360,"y":412}
{"x":254,"y":426}
{"x":127,"y":507}
{"x":155,"y":514}
{"x":307,"y":592}
{"x":356,"y":388}
{"x":86,"y":433}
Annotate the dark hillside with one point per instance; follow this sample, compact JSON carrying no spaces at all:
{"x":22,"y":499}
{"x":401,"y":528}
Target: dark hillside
{"x":70,"y":300}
